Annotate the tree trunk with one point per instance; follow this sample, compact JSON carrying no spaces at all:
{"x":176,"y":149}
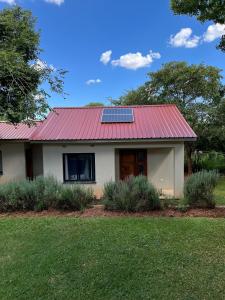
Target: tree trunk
{"x":189,"y":165}
{"x":189,"y":159}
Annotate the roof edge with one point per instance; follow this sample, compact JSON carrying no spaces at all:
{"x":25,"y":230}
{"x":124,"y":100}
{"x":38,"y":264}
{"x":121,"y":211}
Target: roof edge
{"x":187,"y":139}
{"x":110,"y":106}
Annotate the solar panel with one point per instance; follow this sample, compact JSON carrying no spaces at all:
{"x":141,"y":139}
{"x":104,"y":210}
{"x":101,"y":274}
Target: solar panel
{"x":117,"y":119}
{"x":118,"y":111}
{"x":117,"y":115}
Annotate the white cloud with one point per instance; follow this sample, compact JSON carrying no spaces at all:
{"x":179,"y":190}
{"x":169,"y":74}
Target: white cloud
{"x":106,"y":57}
{"x":213,"y":32}
{"x":10,"y":2}
{"x":93,"y":81}
{"x":185,"y":39}
{"x":57,"y":2}
{"x":134,"y":61}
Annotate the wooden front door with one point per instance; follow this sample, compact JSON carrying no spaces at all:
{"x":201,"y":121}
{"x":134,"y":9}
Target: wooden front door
{"x":133,"y":163}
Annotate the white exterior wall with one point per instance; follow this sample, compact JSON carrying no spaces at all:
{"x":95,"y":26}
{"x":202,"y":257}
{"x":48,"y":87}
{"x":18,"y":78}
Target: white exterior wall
{"x":104,"y":162}
{"x":13,"y":161}
{"x":179,"y":169}
{"x":165,"y":163}
{"x":161,"y":169}
{"x":166,"y":169}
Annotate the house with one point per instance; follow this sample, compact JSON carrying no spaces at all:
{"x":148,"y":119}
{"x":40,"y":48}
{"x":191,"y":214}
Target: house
{"x":93,"y":145}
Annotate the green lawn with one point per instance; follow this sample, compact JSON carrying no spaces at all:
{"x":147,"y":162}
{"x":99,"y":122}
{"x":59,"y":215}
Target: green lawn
{"x":220,"y":192}
{"x":112,"y":258}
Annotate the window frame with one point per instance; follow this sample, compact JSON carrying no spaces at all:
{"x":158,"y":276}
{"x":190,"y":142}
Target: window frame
{"x":92,"y":180}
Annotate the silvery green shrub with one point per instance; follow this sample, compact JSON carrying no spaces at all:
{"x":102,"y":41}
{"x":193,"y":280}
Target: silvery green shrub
{"x":199,"y":188}
{"x":43,"y":193}
{"x":132,"y":195}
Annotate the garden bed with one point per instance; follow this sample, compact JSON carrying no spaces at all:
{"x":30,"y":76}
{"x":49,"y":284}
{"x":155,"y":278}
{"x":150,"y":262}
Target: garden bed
{"x":99,"y":211}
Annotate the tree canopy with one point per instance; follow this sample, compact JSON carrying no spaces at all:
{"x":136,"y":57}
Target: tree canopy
{"x":204,"y":10}
{"x":198,"y":92}
{"x":22,"y":72}
{"x":94,"y":104}
{"x":136,"y":97}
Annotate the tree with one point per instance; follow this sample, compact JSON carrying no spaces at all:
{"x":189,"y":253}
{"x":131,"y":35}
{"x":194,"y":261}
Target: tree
{"x":22,"y":73}
{"x":135,"y":97}
{"x":196,"y":90}
{"x":204,"y":10}
{"x":94,"y":104}
{"x":140,"y":96}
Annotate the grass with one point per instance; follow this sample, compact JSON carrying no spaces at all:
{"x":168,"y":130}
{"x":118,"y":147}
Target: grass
{"x":220,"y":192}
{"x":112,"y":258}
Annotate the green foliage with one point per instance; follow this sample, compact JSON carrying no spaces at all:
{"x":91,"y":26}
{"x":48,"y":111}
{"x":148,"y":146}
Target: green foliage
{"x":182,"y":207}
{"x":74,"y":197}
{"x":132,"y":195}
{"x":43,"y":193}
{"x":169,"y":202}
{"x":209,"y":161}
{"x":204,"y":10}
{"x":46,"y":190}
{"x":16,"y":196}
{"x":140,"y":96}
{"x":199,"y":188}
{"x":179,"y":83}
{"x":91,"y":104}
{"x":220,"y":191}
{"x":21,"y":71}
{"x":184,"y":85}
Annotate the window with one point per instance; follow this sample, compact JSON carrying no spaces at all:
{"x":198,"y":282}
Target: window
{"x":79,"y":167}
{"x":1,"y":167}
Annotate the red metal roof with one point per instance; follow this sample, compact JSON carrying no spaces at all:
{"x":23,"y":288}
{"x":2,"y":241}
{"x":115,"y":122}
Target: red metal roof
{"x":84,"y":123}
{"x":16,"y":132}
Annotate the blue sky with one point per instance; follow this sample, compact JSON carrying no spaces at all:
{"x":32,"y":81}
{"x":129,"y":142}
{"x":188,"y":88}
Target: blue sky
{"x":75,"y":33}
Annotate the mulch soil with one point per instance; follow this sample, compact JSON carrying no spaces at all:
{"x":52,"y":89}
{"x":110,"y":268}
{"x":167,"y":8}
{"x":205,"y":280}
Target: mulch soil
{"x":98,"y":211}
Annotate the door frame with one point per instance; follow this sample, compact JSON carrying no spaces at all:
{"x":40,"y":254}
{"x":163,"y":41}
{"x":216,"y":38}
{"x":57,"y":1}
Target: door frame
{"x":135,"y":151}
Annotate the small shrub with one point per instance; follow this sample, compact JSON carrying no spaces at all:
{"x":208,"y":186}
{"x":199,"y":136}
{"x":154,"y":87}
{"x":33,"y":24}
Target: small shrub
{"x":169,"y":202}
{"x":17,"y":196}
{"x":182,"y":207}
{"x":132,"y":195}
{"x":74,"y":197}
{"x":198,"y":189}
{"x":43,"y":193}
{"x":47,"y":191}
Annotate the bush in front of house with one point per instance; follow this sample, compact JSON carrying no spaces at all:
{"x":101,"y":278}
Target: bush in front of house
{"x":74,"y":197}
{"x":47,"y":191}
{"x":135,"y":194}
{"x":198,"y":189}
{"x":17,"y":196}
{"x":43,"y":193}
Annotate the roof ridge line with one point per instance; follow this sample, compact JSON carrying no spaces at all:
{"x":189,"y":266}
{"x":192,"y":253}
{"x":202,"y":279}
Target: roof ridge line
{"x":119,"y":106}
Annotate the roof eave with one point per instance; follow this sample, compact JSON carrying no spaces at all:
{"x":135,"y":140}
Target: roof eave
{"x":15,"y":140}
{"x":102,"y":141}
